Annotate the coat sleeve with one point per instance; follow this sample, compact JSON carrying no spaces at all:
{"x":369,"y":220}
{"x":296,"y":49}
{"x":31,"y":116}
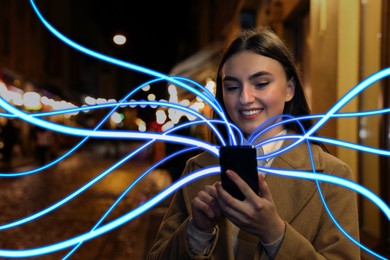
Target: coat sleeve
{"x":329,"y":242}
{"x":171,"y":240}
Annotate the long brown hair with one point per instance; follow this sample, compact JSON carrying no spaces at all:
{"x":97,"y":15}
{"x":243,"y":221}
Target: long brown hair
{"x":265,"y":42}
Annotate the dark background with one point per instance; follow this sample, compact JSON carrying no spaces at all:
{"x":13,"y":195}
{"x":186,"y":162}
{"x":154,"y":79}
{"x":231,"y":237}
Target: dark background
{"x":159,"y":33}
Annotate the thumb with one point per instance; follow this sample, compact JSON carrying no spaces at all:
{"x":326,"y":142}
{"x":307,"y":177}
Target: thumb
{"x":265,"y":193}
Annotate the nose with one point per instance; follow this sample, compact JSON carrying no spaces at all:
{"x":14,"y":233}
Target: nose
{"x":246,"y":95}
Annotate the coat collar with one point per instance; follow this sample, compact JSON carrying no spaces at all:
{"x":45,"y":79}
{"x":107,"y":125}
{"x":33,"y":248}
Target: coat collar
{"x":298,"y":157}
{"x":289,"y":194}
{"x":295,"y":158}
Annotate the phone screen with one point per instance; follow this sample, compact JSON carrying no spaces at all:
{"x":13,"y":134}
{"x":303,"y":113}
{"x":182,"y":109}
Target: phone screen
{"x":242,"y":160}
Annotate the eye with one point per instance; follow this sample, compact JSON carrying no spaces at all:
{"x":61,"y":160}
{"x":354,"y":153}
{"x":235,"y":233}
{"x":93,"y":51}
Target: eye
{"x":262,"y":84}
{"x":231,"y":87}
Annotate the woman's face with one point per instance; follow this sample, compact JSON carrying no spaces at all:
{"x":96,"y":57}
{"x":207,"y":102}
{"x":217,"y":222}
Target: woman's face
{"x":254,"y":88}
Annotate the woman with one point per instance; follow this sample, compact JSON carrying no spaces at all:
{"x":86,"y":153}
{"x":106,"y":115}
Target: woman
{"x":256,"y":82}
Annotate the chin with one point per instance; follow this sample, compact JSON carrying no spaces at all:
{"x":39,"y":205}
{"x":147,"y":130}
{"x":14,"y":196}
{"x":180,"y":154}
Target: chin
{"x":248,"y":132}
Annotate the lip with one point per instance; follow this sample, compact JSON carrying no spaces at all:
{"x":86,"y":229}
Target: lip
{"x":250,"y":113}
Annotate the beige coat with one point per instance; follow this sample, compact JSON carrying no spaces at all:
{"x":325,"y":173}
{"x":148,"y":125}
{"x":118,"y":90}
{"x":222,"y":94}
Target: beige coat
{"x":310,"y":233}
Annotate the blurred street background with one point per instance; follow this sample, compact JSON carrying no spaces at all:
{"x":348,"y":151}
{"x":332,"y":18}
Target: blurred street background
{"x":22,"y":196}
{"x":336,"y":44}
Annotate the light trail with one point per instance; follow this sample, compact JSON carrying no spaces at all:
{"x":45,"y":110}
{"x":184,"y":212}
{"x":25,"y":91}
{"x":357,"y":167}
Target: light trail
{"x":150,"y":138}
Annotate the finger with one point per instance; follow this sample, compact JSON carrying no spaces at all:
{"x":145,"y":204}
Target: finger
{"x":264,"y":189}
{"x":200,"y":206}
{"x":203,"y":216}
{"x":209,"y":196}
{"x":241,"y":184}
{"x":223,"y":195}
{"x":211,"y":190}
{"x":228,"y":205}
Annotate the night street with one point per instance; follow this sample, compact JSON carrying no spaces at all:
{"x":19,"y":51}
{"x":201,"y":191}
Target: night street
{"x":23,"y":196}
{"x":85,"y":85}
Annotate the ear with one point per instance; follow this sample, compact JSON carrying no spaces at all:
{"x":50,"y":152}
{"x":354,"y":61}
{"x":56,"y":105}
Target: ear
{"x":290,"y":90}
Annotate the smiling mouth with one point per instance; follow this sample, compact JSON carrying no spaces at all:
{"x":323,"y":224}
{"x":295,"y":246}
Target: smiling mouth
{"x":251,"y":112}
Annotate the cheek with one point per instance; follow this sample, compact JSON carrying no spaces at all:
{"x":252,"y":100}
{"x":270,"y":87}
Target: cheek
{"x":228,"y":105}
{"x":275,"y":100}
{"x":228,"y":101}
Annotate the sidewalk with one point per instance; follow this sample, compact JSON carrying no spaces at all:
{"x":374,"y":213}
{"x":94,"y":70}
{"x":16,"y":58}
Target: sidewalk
{"x":18,"y":162}
{"x":132,"y":240}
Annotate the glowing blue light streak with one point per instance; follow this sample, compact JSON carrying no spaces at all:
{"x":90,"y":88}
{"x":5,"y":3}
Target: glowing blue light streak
{"x":115,"y":223}
{"x":373,"y":197}
{"x":334,"y":180}
{"x":60,"y":158}
{"x":77,"y":145}
{"x":345,"y":144}
{"x":259,"y":131}
{"x":206,"y":91}
{"x":110,"y":104}
{"x":128,"y":190}
{"x":152,"y":137}
{"x":356,"y":242}
{"x":335,"y":221}
{"x":105,"y":134}
{"x":349,"y":96}
{"x":128,"y":65}
{"x":331,"y":113}
{"x":89,"y":184}
{"x":74,"y":194}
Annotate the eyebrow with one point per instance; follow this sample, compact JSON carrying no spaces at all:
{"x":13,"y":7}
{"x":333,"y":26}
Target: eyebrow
{"x":253,"y":76}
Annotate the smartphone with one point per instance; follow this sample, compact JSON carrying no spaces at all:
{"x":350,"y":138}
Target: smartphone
{"x":242,"y":160}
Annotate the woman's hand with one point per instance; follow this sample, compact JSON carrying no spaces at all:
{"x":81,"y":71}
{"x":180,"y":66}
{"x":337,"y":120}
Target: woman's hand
{"x":205,"y":209}
{"x":256,"y":215}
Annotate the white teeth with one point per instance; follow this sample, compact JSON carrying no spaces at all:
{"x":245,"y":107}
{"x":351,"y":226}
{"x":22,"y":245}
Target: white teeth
{"x":251,"y":112}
